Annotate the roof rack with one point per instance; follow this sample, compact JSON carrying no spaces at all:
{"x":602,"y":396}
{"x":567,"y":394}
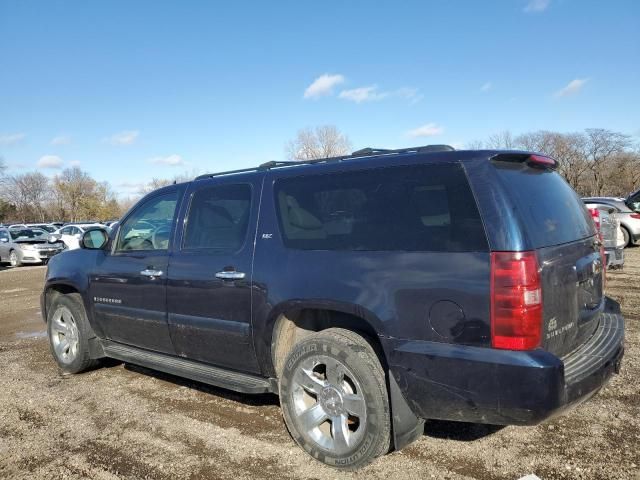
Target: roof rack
{"x":364,"y":152}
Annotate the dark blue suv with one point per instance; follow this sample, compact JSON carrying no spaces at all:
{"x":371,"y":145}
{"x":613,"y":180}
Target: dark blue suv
{"x":370,"y":292}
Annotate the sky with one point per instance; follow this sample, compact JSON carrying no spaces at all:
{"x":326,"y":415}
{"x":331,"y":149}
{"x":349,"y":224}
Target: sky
{"x":131,"y":90}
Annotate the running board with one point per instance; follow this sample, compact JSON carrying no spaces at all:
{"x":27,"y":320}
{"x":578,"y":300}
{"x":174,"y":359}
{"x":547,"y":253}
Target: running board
{"x":200,"y":372}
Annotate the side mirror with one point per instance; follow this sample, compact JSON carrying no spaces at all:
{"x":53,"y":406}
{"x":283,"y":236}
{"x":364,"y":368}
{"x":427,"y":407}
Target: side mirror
{"x":94,"y":239}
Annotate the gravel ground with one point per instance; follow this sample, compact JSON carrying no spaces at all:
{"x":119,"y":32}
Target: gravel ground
{"x":125,"y":422}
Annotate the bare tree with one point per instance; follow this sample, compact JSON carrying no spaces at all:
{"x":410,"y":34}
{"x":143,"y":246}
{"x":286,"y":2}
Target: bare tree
{"x":320,"y":142}
{"x":566,"y":148}
{"x":157,"y":183}
{"x":501,"y":140}
{"x":600,"y":148}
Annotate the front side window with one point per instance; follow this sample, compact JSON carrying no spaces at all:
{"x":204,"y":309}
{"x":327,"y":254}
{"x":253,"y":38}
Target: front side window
{"x":149,"y":226}
{"x":218,"y":218}
{"x":408,"y":208}
{"x":4,"y":234}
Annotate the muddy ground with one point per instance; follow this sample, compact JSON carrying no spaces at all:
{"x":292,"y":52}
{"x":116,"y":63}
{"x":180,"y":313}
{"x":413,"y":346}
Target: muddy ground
{"x":125,"y":422}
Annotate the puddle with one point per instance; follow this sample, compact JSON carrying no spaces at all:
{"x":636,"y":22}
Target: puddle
{"x":21,"y":335}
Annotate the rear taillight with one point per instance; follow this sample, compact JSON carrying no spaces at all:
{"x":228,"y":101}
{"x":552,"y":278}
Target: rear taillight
{"x":595,"y":215}
{"x":516,"y":301}
{"x":635,"y":215}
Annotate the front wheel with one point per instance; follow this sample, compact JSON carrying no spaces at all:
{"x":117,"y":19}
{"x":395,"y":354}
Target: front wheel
{"x":334,"y":399}
{"x":69,"y":332}
{"x":14,"y":260}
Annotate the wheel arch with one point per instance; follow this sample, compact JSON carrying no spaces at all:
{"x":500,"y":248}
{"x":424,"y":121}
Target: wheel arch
{"x":290,"y":321}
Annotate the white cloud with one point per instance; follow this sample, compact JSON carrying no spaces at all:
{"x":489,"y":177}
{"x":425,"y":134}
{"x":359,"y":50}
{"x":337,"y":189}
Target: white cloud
{"x":12,"y":138}
{"x":74,"y":163}
{"x":323,"y":85}
{"x":363,"y":94}
{"x":486,"y":87}
{"x":49,"y":161}
{"x":127,"y":137}
{"x":371,"y":93}
{"x":61,"y":140}
{"x":131,"y":186}
{"x":534,"y":6}
{"x":428,"y":130}
{"x":170,"y":160}
{"x":573,"y":87}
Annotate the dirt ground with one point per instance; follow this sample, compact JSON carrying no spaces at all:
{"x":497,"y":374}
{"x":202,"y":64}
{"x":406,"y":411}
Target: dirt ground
{"x":125,"y":422}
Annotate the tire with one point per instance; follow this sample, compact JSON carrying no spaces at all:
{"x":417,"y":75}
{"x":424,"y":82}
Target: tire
{"x":627,"y":237}
{"x":14,"y":260}
{"x":69,"y":332}
{"x":314,"y":404}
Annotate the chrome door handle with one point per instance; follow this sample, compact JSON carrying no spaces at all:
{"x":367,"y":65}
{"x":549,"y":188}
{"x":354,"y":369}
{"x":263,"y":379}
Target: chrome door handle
{"x":147,"y":272}
{"x":230,"y":275}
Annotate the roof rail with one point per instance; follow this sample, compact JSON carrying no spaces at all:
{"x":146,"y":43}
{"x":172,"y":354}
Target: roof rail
{"x":364,"y":152}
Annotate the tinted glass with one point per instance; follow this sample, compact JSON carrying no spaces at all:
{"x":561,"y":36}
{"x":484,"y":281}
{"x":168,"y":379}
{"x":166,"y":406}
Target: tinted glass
{"x":552,"y":211}
{"x":218,"y":218}
{"x":149,"y":226}
{"x":27,"y":233}
{"x":411,"y":208}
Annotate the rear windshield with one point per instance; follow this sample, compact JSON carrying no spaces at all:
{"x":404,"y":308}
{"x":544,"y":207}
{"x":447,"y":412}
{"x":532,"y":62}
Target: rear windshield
{"x":552,"y":211}
{"x":408,"y":208}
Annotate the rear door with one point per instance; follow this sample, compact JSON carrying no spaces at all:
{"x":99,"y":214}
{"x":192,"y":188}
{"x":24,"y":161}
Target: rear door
{"x":209,"y":289}
{"x":559,"y":227}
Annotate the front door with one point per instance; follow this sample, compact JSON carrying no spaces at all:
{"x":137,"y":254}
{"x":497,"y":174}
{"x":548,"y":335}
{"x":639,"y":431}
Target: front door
{"x":209,"y":287}
{"x":128,"y":286}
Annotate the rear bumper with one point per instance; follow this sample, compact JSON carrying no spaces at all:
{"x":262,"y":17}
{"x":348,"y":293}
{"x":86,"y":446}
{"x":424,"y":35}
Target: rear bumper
{"x":483,"y":385}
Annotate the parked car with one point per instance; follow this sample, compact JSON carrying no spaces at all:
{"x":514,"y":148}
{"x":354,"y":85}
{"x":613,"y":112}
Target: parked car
{"x":609,"y":227}
{"x":370,"y":291}
{"x":71,"y":234}
{"x":47,"y":227}
{"x":627,"y":210}
{"x":29,"y":245}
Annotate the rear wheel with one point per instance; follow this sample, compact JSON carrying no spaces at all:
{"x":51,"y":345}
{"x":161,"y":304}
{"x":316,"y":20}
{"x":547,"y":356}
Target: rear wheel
{"x":14,"y":260}
{"x":627,"y":237}
{"x":69,"y":333}
{"x":334,"y":399}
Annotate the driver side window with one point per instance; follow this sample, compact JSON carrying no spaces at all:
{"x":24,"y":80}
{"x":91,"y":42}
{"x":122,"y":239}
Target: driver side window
{"x":149,"y":226}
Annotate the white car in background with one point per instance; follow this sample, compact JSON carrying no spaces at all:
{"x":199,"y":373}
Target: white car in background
{"x":72,"y":233}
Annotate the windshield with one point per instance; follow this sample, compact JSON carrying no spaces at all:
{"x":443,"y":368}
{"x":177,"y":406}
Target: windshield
{"x":27,"y":234}
{"x":552,"y":212}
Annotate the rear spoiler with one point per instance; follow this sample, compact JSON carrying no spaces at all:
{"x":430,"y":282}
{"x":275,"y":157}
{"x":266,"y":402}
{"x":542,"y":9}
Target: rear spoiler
{"x":533,"y":159}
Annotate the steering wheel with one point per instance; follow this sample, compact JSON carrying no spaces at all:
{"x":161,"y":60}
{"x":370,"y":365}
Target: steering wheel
{"x":157,"y":237}
{"x":143,"y":225}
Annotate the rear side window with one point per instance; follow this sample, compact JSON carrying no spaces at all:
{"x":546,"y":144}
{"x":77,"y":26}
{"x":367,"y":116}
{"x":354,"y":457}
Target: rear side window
{"x":551,"y":210}
{"x":218,"y":217}
{"x":408,"y":208}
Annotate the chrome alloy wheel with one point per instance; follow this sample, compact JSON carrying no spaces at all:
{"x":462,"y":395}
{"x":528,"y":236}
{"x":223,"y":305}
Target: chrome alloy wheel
{"x":64,"y":335}
{"x":13,"y":258}
{"x":329,"y":404}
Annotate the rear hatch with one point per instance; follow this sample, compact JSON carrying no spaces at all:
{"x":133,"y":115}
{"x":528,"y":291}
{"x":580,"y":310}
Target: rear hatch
{"x":559,"y":228}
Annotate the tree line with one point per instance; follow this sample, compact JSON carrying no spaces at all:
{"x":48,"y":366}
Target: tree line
{"x":70,"y":196}
{"x":595,"y":162}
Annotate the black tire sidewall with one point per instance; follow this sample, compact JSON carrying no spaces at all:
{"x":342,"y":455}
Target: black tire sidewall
{"x":374,"y":392}
{"x":83,"y":359}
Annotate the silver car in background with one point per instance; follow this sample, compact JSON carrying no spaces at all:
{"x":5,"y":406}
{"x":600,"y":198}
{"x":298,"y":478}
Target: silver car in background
{"x":608,"y":225}
{"x":20,"y":246}
{"x":627,"y":210}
